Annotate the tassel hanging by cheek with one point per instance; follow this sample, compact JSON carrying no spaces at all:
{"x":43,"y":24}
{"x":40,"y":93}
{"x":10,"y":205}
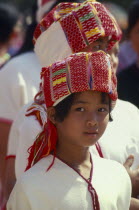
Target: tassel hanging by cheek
{"x":51,"y":136}
{"x":44,"y":145}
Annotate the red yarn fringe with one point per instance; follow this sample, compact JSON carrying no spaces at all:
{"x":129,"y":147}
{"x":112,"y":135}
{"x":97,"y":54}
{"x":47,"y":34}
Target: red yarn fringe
{"x":44,"y":145}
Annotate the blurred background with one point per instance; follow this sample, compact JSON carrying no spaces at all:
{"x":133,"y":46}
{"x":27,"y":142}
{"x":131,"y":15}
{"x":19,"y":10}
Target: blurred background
{"x":24,"y":4}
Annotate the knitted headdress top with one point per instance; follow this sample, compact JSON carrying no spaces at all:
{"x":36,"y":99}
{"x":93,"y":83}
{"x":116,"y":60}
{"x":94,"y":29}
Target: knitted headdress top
{"x":76,"y":73}
{"x":71,"y":27}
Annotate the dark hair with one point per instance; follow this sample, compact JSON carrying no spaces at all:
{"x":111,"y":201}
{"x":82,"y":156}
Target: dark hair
{"x":133,"y":15}
{"x":28,"y":44}
{"x":62,"y":109}
{"x":30,"y":14}
{"x":9,"y":16}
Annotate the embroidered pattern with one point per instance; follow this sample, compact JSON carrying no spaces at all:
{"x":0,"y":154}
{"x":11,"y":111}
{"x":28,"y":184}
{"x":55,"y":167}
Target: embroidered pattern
{"x":79,"y":72}
{"x":88,"y":21}
{"x":109,"y":24}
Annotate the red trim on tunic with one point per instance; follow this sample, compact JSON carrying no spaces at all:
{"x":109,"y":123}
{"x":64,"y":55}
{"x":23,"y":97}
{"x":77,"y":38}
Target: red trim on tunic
{"x":4,"y":208}
{"x":7,"y":121}
{"x":91,"y":189}
{"x":99,"y":150}
{"x":10,"y":156}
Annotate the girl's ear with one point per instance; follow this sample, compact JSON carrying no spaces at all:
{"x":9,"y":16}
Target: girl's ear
{"x":51,"y":114}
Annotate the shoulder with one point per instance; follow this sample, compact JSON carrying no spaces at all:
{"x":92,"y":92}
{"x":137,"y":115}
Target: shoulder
{"x":38,"y":171}
{"x":114,"y":174}
{"x":110,"y":166}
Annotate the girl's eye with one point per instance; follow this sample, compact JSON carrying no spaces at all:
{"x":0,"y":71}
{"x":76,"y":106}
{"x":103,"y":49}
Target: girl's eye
{"x":96,"y":48}
{"x":80,"y":109}
{"x":102,"y":110}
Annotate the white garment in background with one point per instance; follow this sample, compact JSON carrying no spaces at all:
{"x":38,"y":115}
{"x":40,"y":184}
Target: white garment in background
{"x":19,"y":82}
{"x":63,"y":188}
{"x":22,"y":135}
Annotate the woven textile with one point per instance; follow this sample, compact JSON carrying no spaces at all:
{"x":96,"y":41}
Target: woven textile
{"x":39,"y":111}
{"x":81,"y":24}
{"x":79,"y":72}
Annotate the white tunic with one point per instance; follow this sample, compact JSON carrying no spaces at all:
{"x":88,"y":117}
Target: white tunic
{"x":62,"y":188}
{"x":120,"y":139}
{"x":19,"y":82}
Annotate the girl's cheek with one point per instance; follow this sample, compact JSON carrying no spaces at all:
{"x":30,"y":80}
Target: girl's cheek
{"x":105,"y":120}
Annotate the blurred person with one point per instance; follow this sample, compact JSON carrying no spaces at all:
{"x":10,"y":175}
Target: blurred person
{"x":16,"y":88}
{"x":127,"y":55}
{"x":128,"y":79}
{"x":10,"y":21}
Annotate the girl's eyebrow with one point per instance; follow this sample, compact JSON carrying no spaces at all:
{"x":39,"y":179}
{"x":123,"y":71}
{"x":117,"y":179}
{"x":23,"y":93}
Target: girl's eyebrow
{"x":80,"y":102}
{"x":85,"y":102}
{"x":105,"y":102}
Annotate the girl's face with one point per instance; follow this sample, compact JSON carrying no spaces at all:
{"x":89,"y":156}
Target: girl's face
{"x":99,"y":44}
{"x":86,"y":120}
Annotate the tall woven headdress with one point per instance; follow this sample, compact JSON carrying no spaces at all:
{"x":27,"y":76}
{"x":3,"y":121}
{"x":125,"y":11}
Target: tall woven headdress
{"x":71,"y":27}
{"x":76,"y":73}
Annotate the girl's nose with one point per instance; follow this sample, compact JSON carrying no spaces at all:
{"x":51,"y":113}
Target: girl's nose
{"x":92,"y":121}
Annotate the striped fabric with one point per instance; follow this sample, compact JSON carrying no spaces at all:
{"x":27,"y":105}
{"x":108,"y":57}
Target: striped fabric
{"x":89,"y":21}
{"x":76,"y":73}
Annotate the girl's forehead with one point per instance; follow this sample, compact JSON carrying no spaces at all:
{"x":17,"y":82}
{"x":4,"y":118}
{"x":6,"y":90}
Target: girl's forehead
{"x":90,"y":96}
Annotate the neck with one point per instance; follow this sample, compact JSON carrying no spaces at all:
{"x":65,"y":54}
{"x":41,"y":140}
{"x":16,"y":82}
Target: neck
{"x":73,"y":155}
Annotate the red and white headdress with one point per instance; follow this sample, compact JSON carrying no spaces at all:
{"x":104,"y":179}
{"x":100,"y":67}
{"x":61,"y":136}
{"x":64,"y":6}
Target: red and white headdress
{"x":76,"y":73}
{"x":71,"y":27}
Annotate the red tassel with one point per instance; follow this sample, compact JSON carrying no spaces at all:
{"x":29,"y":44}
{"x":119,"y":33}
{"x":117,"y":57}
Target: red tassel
{"x":44,"y":144}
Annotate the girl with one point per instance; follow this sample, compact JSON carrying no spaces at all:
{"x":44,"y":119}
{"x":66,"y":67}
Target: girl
{"x":79,"y":92}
